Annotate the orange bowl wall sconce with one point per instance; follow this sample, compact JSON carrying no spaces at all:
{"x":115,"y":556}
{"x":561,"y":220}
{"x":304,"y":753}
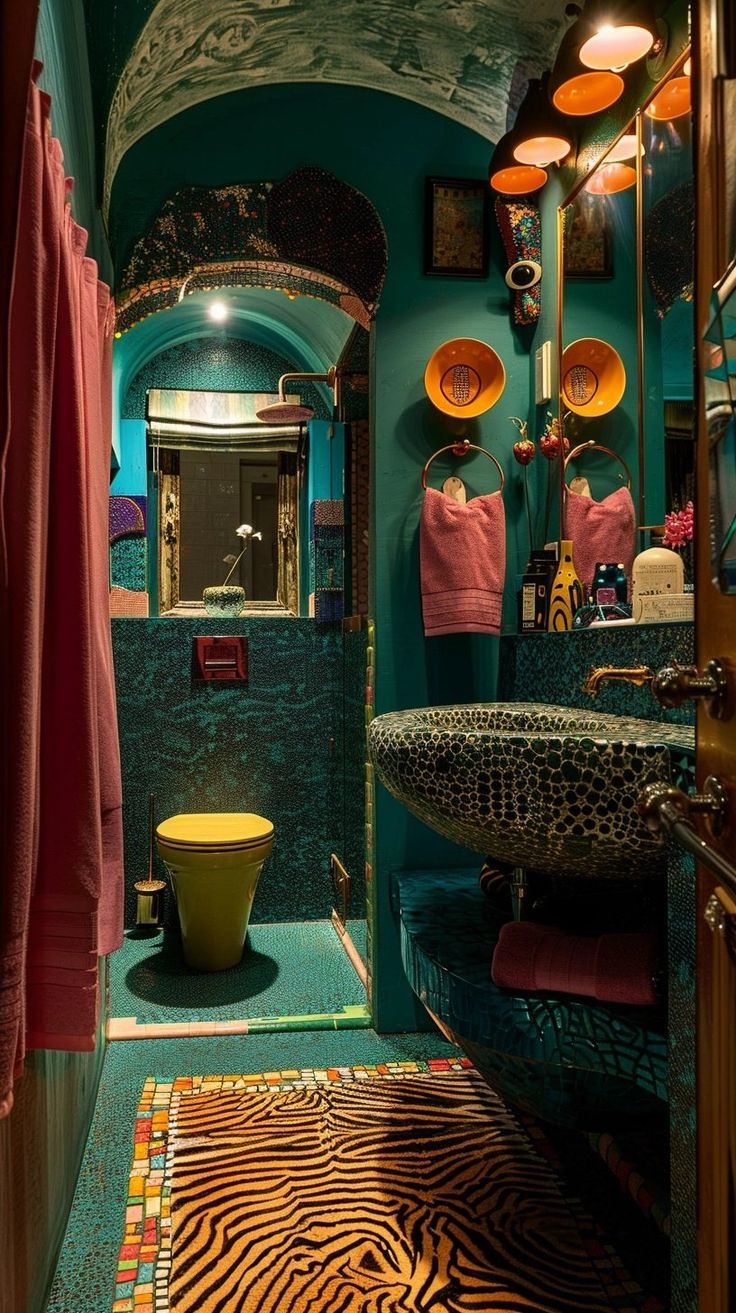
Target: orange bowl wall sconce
{"x":593,"y":377}
{"x":464,"y":377}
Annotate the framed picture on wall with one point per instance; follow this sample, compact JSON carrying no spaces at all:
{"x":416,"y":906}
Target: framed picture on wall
{"x":588,"y":249}
{"x":456,"y":222}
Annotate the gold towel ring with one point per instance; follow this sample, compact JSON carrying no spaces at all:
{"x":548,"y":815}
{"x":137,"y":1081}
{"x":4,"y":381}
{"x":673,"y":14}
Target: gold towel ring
{"x":462,"y":449}
{"x":598,"y":446}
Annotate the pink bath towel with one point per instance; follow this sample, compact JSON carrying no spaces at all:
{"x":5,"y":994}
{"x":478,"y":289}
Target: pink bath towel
{"x":462,"y":551}
{"x":616,"y":968}
{"x":600,"y":531}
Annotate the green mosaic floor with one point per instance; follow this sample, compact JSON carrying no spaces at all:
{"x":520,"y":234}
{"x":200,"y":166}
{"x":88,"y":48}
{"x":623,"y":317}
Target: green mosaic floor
{"x":297,"y":968}
{"x":84,"y":1276}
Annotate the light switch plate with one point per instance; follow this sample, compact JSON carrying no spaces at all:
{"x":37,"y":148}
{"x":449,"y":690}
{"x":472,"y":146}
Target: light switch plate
{"x":543,"y":374}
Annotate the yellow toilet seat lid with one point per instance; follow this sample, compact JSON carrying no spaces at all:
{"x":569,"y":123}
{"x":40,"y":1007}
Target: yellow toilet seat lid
{"x":221,"y":831}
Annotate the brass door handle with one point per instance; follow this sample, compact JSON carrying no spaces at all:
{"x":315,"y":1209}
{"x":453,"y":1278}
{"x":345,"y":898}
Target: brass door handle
{"x":675,"y":684}
{"x":665,"y":808}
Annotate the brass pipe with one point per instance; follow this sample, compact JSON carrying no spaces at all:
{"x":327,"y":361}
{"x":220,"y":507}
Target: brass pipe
{"x":560,"y":338}
{"x":640,"y":405}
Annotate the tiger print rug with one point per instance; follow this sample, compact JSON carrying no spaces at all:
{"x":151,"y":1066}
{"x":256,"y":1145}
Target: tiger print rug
{"x":407,"y":1187}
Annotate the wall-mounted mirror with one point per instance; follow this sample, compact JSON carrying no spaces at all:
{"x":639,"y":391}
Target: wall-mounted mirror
{"x":626,"y":331}
{"x":214,"y":466}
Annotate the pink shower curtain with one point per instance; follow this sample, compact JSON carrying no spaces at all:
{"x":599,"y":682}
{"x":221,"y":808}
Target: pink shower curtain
{"x":61,"y":829}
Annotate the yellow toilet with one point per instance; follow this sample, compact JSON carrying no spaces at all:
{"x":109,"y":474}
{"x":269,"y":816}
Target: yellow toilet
{"x":214,"y":860}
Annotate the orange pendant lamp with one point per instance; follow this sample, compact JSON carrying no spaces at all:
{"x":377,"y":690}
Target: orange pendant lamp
{"x":675,"y":98}
{"x":509,"y":177}
{"x":610,"y":178}
{"x":541,"y":134}
{"x":594,"y":52}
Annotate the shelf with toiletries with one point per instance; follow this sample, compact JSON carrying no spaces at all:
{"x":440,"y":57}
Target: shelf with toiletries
{"x":625,"y":343}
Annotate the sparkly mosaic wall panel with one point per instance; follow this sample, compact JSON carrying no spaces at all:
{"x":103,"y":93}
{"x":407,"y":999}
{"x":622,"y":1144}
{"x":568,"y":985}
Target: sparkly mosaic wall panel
{"x":215,"y":363}
{"x":128,"y":564}
{"x":263,"y":748}
{"x":552,"y":668}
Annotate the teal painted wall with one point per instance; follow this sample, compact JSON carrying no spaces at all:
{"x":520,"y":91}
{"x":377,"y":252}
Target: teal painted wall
{"x":385,"y":148}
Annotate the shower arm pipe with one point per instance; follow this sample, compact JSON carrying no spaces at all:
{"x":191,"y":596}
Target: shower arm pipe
{"x":332,"y":378}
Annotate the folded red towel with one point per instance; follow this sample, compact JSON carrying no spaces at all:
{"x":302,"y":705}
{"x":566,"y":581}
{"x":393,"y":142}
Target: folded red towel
{"x":610,"y":968}
{"x":462,"y":551}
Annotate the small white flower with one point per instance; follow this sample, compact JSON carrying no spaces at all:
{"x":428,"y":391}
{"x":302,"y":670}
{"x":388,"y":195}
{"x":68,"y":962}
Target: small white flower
{"x":244,"y":531}
{"x":258,"y":535}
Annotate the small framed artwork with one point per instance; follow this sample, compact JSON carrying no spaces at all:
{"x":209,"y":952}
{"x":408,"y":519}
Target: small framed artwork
{"x":456,"y":222}
{"x":588,"y":249}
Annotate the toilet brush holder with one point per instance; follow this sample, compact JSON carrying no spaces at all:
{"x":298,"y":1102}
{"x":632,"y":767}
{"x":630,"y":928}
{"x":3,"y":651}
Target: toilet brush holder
{"x":148,"y":901}
{"x":148,"y":892}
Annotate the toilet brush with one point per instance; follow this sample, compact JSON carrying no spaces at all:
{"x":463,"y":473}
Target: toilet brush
{"x":149,"y":890}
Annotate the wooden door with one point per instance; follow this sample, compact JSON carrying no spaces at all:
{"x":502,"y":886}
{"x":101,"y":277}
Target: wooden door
{"x":715,"y":81}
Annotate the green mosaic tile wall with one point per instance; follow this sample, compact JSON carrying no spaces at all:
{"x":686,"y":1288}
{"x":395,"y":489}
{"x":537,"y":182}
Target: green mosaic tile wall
{"x":128,"y":564}
{"x":267,"y":747}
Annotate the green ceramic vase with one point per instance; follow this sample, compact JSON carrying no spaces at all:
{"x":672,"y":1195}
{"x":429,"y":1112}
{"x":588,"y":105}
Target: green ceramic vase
{"x":224,"y":600}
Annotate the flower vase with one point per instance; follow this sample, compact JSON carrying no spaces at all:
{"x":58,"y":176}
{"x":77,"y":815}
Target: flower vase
{"x":224,"y":600}
{"x":567,"y":591}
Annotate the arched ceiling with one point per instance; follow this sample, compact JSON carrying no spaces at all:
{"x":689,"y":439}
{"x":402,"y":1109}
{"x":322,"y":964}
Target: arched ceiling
{"x":312,"y":333}
{"x":151,"y":59}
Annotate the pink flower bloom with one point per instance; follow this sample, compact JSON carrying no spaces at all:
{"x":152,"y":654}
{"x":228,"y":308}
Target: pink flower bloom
{"x":679,"y":527}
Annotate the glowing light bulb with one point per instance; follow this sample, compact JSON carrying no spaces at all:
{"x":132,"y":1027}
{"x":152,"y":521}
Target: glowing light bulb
{"x":218,"y":311}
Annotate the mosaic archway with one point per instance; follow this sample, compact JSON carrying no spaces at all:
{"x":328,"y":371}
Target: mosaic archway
{"x":310,"y":234}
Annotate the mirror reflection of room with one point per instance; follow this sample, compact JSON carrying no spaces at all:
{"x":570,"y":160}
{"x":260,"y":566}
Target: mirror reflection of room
{"x":219,"y":492}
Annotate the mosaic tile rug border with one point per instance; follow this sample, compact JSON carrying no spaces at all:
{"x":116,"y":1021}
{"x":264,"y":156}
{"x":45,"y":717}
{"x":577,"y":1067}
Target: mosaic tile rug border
{"x":144,"y":1260}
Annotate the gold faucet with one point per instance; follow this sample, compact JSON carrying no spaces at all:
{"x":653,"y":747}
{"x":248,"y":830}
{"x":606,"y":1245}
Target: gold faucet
{"x":638,"y":675}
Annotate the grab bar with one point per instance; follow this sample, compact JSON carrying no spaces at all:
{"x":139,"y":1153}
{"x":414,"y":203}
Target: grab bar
{"x":664,"y":808}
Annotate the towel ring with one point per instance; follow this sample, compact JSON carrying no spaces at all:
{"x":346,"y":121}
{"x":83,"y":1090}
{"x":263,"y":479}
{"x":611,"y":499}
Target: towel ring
{"x":462,"y":449}
{"x":598,"y":446}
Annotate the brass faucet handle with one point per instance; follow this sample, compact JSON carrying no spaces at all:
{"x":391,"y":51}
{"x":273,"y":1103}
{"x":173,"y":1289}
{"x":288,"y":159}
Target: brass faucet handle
{"x":637,"y":675}
{"x":676,"y":684}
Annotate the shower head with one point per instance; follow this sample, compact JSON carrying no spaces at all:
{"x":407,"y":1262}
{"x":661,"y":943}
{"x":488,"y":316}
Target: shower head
{"x":284,"y":412}
{"x":291,"y":412}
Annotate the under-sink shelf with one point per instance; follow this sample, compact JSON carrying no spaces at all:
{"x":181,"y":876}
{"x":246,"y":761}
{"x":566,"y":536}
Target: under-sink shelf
{"x":568,"y":1060}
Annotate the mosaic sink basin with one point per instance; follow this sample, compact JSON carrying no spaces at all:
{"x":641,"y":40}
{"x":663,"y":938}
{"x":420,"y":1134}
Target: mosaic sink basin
{"x":552,"y":789}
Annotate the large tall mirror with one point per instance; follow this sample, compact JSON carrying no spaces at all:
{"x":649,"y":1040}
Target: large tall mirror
{"x":626,"y":330}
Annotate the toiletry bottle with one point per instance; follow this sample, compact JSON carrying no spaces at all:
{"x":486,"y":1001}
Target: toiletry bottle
{"x":567,"y":591}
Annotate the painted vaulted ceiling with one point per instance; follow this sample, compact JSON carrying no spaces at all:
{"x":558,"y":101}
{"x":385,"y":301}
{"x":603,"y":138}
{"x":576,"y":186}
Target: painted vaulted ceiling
{"x":153,"y":59}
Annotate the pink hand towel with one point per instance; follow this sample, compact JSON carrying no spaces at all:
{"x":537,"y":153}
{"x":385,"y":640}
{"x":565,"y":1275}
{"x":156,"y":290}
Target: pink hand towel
{"x":611,"y":968}
{"x":462,"y":552}
{"x":600,"y":531}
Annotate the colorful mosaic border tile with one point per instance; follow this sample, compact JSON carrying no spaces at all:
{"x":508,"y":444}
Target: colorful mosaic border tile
{"x":144,"y":1261}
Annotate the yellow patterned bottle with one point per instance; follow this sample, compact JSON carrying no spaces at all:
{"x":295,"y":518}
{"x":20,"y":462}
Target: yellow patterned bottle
{"x":567,"y":591}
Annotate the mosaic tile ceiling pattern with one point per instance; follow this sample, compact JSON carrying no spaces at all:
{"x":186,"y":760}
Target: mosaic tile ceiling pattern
{"x":457,"y":57}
